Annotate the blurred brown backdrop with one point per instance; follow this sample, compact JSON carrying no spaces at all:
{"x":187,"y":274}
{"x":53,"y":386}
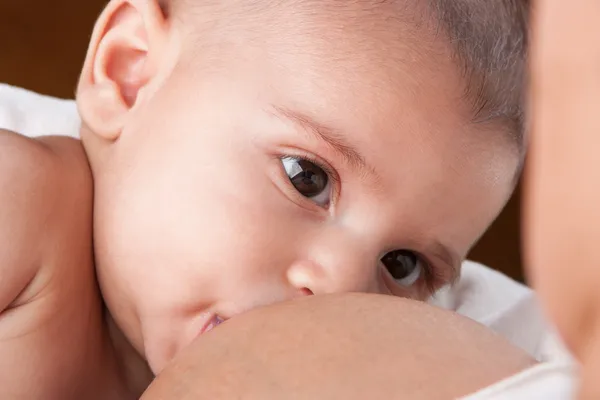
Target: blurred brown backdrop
{"x":42,"y":45}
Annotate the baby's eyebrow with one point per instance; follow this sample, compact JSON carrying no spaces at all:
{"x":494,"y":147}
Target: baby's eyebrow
{"x":333,"y":137}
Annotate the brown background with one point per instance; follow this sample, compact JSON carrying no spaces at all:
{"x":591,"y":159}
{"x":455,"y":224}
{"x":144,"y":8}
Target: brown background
{"x":42,"y":45}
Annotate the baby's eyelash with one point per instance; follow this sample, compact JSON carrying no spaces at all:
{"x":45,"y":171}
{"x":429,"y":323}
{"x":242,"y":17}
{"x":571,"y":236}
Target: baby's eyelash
{"x":433,"y":276}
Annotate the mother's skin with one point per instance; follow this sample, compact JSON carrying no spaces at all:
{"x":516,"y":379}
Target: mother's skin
{"x":350,"y":346}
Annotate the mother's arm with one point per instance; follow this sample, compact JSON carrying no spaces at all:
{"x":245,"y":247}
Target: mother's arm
{"x":341,"y":347}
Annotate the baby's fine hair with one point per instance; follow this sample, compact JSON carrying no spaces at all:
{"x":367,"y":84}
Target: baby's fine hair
{"x":489,"y":43}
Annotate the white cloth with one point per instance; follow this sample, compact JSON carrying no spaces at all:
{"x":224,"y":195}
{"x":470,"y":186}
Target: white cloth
{"x":482,"y":294}
{"x":32,"y":114}
{"x":547,"y":381}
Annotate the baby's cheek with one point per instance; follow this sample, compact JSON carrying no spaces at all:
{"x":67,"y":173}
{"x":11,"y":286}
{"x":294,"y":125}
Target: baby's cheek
{"x":254,"y":244}
{"x":235,"y":238}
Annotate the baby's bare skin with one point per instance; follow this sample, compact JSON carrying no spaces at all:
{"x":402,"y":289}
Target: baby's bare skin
{"x":53,"y":341}
{"x":240,"y":167}
{"x":350,"y":164}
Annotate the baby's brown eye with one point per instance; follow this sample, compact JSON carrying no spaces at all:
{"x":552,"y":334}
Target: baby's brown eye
{"x":403,"y":265}
{"x":310,"y":180}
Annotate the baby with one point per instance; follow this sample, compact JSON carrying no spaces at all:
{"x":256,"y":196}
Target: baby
{"x":241,"y":153}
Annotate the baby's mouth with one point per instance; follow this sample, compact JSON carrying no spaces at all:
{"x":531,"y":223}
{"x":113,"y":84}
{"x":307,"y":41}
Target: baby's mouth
{"x":212,"y":323}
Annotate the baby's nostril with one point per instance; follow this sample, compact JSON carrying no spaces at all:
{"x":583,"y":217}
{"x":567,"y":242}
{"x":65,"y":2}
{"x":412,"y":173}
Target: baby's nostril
{"x":306,"y":292}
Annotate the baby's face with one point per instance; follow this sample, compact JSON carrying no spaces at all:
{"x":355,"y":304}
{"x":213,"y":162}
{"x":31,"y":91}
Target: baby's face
{"x":315,"y":161}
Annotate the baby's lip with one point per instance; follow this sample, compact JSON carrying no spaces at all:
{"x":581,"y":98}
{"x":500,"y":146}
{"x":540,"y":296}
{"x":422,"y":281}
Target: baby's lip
{"x":211,"y":323}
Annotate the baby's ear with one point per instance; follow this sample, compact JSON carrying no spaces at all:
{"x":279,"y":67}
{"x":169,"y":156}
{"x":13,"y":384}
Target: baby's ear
{"x":123,"y":57}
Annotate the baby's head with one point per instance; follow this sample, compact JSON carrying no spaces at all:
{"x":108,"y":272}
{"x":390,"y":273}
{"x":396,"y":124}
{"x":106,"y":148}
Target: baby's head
{"x":246,"y":152}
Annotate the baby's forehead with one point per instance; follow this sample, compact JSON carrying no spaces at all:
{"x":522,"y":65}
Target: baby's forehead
{"x":367,"y":45}
{"x":368,"y":69}
{"x":302,"y":23}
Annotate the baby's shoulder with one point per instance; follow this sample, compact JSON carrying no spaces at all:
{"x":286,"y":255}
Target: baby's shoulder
{"x":48,"y":291}
{"x":41,"y":163}
{"x":40,"y":177}
{"x":43,"y":183}
{"x":48,"y":157}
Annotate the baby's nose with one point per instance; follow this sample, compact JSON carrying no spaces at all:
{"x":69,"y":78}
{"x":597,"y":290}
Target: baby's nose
{"x":338,"y":259}
{"x":309,"y":277}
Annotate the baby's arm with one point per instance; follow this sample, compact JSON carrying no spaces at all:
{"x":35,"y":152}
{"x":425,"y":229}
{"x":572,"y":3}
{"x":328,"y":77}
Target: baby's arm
{"x":26,"y":200}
